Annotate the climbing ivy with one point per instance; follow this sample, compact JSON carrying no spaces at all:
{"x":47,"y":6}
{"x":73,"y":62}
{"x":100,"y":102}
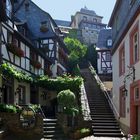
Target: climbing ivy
{"x":10,"y":70}
{"x":58,"y":84}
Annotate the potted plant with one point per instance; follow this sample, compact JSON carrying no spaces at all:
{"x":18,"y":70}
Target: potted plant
{"x":12,"y":47}
{"x":43,"y":28}
{"x":36,"y":64}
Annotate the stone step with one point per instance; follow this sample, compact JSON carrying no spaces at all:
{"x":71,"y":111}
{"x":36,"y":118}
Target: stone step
{"x":104,"y":124}
{"x":50,"y":120}
{"x":101,"y":113}
{"x":58,"y":136}
{"x":103,"y":118}
{"x":49,"y":124}
{"x":101,"y":130}
{"x":104,"y":121}
{"x":108,"y":135}
{"x":105,"y":127}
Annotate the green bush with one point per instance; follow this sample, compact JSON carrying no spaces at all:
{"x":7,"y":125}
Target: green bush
{"x":136,"y":137}
{"x":66,"y":98}
{"x":8,"y":108}
{"x":84,"y":130}
{"x":71,"y":111}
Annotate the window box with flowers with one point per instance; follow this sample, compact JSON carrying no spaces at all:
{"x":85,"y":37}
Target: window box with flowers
{"x":36,"y":64}
{"x":13,"y":48}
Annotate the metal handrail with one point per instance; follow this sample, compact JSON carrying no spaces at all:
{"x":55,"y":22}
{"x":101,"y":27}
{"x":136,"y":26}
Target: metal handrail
{"x":113,"y":107}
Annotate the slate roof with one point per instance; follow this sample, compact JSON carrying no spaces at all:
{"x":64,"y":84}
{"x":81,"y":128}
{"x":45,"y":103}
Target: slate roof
{"x":33,"y":17}
{"x":104,"y":35}
{"x":62,"y":23}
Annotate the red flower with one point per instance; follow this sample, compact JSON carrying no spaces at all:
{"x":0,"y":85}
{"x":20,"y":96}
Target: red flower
{"x":12,"y":47}
{"x":36,"y":64}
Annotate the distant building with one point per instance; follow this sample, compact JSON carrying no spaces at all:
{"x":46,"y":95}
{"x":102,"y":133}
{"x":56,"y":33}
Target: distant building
{"x":104,"y":45}
{"x":89,"y":24}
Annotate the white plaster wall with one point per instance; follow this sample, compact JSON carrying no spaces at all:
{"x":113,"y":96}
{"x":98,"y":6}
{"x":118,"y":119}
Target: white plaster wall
{"x":54,"y":69}
{"x":118,"y":81}
{"x":99,"y":63}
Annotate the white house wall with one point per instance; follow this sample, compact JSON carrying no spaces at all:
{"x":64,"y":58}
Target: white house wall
{"x":118,"y":80}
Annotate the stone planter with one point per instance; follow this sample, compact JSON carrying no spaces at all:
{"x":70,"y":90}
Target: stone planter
{"x":13,"y":124}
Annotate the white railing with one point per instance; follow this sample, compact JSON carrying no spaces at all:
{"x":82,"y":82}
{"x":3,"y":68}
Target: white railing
{"x":113,"y":107}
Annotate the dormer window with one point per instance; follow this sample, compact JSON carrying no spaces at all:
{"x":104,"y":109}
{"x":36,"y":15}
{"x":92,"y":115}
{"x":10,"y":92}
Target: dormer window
{"x":109,"y":42}
{"x":44,"y":26}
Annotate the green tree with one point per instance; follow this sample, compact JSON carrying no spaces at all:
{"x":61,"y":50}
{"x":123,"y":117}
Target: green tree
{"x":91,"y":56}
{"x":76,"y":49}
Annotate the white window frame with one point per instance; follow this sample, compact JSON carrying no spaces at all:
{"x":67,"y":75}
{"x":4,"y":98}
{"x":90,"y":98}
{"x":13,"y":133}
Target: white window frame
{"x":136,"y":93}
{"x":135,"y":47}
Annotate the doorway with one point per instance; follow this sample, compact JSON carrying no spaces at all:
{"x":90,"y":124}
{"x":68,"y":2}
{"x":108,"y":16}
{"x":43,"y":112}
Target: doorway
{"x":8,"y":96}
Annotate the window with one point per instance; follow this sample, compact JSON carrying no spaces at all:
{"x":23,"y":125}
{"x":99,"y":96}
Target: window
{"x":94,"y":20}
{"x":135,"y":52}
{"x":84,"y":18}
{"x":134,"y":45}
{"x":108,"y":56}
{"x":21,"y":94}
{"x":136,"y":93}
{"x":109,"y":42}
{"x":121,"y":60}
{"x":122,"y":102}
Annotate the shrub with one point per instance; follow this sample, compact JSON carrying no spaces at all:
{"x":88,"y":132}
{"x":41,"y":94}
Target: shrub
{"x":136,"y":137}
{"x":66,"y":98}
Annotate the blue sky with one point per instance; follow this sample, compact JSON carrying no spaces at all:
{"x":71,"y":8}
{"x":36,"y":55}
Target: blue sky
{"x":63,"y":9}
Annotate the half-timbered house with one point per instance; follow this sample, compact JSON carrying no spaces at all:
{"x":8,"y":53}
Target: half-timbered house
{"x":104,"y":45}
{"x":18,"y":52}
{"x":45,"y":34}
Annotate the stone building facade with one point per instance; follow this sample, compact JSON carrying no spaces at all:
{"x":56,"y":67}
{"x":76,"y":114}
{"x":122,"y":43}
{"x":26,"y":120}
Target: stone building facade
{"x":89,"y":24}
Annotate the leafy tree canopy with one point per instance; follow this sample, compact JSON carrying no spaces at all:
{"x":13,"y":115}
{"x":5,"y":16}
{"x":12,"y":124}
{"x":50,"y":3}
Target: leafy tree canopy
{"x":75,"y":47}
{"x":77,"y":51}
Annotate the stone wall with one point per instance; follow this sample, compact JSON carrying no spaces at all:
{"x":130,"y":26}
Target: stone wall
{"x":81,"y":123}
{"x":13,"y":125}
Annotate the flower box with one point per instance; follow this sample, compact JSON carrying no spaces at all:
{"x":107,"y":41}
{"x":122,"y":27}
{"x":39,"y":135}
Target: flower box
{"x":13,"y":48}
{"x":36,"y":64}
{"x":43,"y":28}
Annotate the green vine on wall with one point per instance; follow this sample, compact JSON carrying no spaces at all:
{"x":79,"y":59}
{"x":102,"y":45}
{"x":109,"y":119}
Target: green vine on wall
{"x":58,"y":84}
{"x":10,"y":70}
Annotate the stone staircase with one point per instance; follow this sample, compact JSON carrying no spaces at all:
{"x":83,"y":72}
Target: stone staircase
{"x":104,"y":123}
{"x":51,"y":130}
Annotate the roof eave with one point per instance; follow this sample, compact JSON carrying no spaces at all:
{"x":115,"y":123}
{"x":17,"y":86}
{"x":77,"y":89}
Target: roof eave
{"x":113,"y":13}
